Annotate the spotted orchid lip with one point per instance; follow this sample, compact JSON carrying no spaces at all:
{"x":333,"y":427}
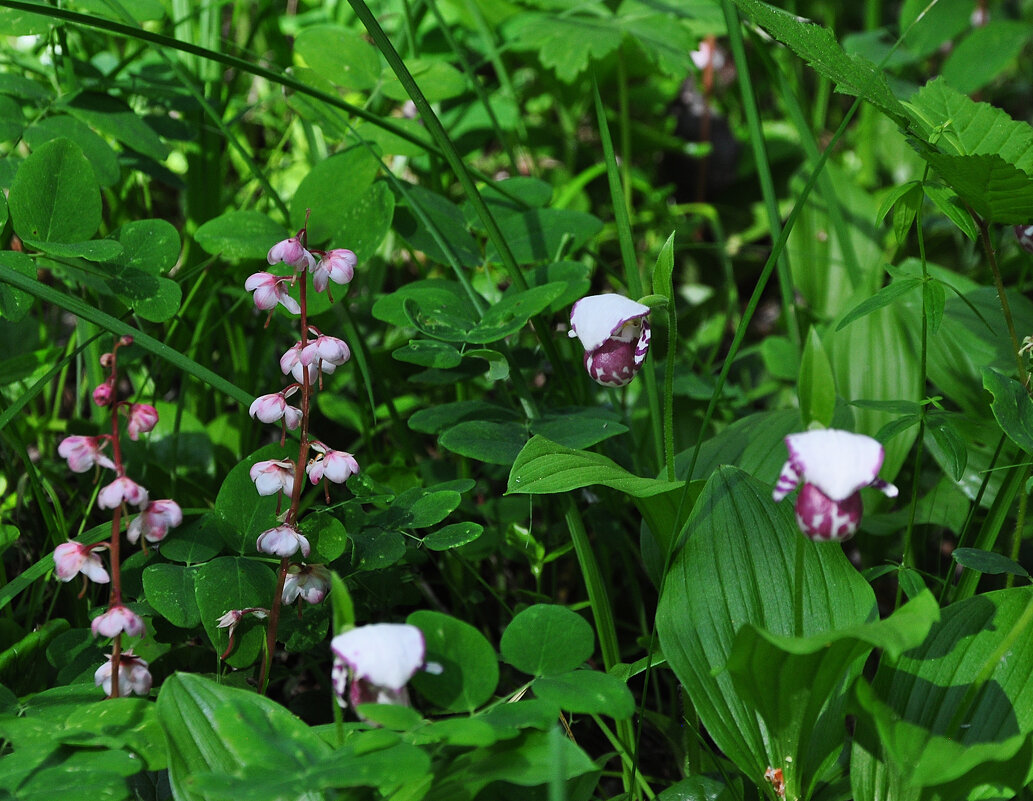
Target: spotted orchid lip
{"x":595,"y":318}
{"x":839,"y":463}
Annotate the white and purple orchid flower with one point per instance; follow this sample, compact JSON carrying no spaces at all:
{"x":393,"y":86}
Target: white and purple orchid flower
{"x":615,"y":333}
{"x":379,"y":660}
{"x":833,"y":466}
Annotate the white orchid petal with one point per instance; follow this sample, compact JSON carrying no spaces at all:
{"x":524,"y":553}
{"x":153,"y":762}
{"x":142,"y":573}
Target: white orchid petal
{"x":384,"y":654}
{"x":838,"y":463}
{"x":596,"y":317}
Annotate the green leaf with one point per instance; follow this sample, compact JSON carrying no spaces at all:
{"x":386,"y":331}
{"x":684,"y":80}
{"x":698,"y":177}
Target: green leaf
{"x":663,"y":270}
{"x":935,"y":299}
{"x":429,"y":353}
{"x":566,"y":44}
{"x":14,"y":303}
{"x":587,"y":692}
{"x":365,"y":221}
{"x":194,"y":542}
{"x":54,"y":196}
{"x":452,"y":536}
{"x":98,"y":152}
{"x":108,"y":115}
{"x":529,"y":641}
{"x":326,"y":535}
{"x":579,"y":427}
{"x":129,"y":724}
{"x":951,"y":444}
{"x":239,"y":235}
{"x":542,"y":234}
{"x":438,"y":80}
{"x":852,"y":75}
{"x":544,"y":467}
{"x":240,"y":513}
{"x":987,"y":562}
{"x":816,"y":385}
{"x":341,"y":56}
{"x":884,"y":297}
{"x":485,"y":440}
{"x":947,"y":201}
{"x":512,"y":312}
{"x":984,"y":54}
{"x":435,"y":419}
{"x":930,"y":26}
{"x":170,"y":591}
{"x":952,"y":714}
{"x":319,"y":197}
{"x":470,"y":670}
{"x":214,"y":730}
{"x":790,"y":680}
{"x":1012,"y":408}
{"x":232,"y":582}
{"x":438,"y":296}
{"x":736,"y":530}
{"x":996,"y":190}
{"x":446,"y":217}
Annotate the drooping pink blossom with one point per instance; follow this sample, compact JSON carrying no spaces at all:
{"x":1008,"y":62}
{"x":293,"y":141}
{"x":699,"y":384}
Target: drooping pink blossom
{"x":269,"y":290}
{"x":309,"y":582}
{"x":325,"y":350}
{"x":142,"y":418}
{"x":83,"y":453}
{"x":133,"y":675}
{"x":335,"y":265}
{"x":272,"y":407}
{"x":154,"y":522}
{"x":116,"y":620}
{"x":335,"y":466}
{"x":119,"y":490}
{"x":283,"y":541}
{"x":71,"y":559}
{"x":292,"y":253}
{"x":102,"y":393}
{"x":272,"y":476}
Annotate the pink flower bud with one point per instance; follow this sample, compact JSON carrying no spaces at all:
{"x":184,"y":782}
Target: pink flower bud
{"x":142,"y":418}
{"x":335,"y":265}
{"x":116,"y":620}
{"x":102,"y":394}
{"x":122,"y":489}
{"x":83,"y":453}
{"x":155,"y":521}
{"x":71,"y":559}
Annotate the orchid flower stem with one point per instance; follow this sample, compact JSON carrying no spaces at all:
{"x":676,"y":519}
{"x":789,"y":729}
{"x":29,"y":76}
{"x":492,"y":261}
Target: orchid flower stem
{"x":991,"y":257}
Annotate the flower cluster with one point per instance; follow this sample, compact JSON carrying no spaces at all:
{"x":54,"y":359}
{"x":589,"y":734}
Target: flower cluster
{"x":833,"y":466}
{"x":615,"y":334}
{"x":153,"y":520}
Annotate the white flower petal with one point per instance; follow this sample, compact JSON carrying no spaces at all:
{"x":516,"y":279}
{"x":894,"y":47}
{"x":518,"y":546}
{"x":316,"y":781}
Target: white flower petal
{"x":384,"y":654}
{"x":594,"y":318}
{"x":839,"y":463}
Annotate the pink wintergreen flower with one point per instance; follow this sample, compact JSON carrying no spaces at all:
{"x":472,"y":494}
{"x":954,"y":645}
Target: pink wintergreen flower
{"x":269,"y":290}
{"x":334,"y":466}
{"x":292,"y":253}
{"x":283,"y":541}
{"x":310,"y":582}
{"x":71,"y":559}
{"x":102,"y":394}
{"x":116,"y":620}
{"x":133,"y":675}
{"x":379,"y":659}
{"x":272,"y":476}
{"x":273,"y":407}
{"x":119,"y":490}
{"x":615,"y":334}
{"x":142,"y":418}
{"x":834,"y":467}
{"x":325,"y":350}
{"x":335,"y":265}
{"x":290,"y":362}
{"x":155,"y":521}
{"x":83,"y":453}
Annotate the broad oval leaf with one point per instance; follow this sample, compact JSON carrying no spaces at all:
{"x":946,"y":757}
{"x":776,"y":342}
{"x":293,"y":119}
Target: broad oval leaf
{"x":530,"y":642}
{"x":55,"y":196}
{"x":470,"y":669}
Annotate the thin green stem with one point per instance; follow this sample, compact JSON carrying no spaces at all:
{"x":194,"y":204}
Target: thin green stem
{"x":767,"y":184}
{"x":1016,"y":540}
{"x":991,"y":257}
